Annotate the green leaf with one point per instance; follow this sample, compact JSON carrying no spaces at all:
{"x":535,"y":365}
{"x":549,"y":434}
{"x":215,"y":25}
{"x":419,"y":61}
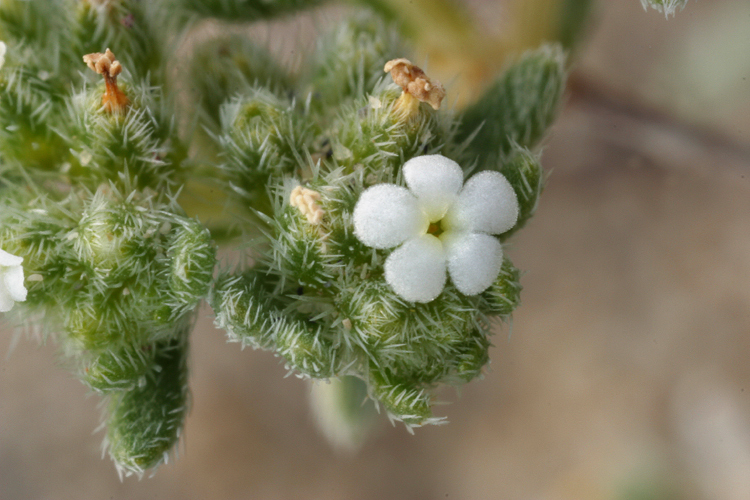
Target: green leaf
{"x":524,"y":172}
{"x":146,"y":421}
{"x":517,"y":109}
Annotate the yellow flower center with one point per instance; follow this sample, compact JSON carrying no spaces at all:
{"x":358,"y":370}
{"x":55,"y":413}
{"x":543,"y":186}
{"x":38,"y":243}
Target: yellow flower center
{"x":435,"y":229}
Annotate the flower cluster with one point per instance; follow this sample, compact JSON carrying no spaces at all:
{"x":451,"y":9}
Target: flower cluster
{"x":438,"y":224}
{"x":362,"y":267}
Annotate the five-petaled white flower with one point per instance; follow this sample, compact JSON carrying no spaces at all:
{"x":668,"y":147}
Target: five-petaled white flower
{"x":438,"y":224}
{"x":12,"y":289}
{"x":3,"y":48}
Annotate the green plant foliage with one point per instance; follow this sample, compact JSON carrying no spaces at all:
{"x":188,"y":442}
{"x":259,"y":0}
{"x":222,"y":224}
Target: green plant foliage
{"x":30,"y":105}
{"x":502,"y":298}
{"x":116,"y":23}
{"x":518,"y":108}
{"x":115,"y":277}
{"x":370,"y":135}
{"x":349,"y":61}
{"x":130,"y":147}
{"x":145,"y":422}
{"x":93,"y":165}
{"x":265,"y":137}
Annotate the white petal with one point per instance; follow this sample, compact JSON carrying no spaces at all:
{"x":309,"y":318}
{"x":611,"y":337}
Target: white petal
{"x":2,"y":54}
{"x":474,"y":261}
{"x":386,"y":215}
{"x":6,"y":301}
{"x":436,"y":181}
{"x":487,"y":203}
{"x":416,"y":270}
{"x":13,"y":278}
{"x":8,"y":259}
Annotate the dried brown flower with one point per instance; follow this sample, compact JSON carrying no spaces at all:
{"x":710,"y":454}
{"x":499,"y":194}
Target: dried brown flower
{"x":415,"y":82}
{"x":114,"y":100}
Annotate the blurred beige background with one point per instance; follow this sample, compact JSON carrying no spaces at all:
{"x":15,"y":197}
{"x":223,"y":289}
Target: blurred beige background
{"x":626,"y":373}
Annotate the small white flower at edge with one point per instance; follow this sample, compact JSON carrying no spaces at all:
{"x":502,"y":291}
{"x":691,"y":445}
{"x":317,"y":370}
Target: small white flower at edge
{"x":438,"y":225}
{"x":12,"y":289}
{"x":3,"y":49}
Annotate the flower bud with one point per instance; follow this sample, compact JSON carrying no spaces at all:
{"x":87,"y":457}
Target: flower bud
{"x":146,"y":421}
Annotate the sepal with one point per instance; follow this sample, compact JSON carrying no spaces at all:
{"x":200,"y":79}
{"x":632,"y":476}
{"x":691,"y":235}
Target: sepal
{"x":504,"y":295}
{"x":145,"y":422}
{"x":117,"y":368}
{"x":524,"y":171}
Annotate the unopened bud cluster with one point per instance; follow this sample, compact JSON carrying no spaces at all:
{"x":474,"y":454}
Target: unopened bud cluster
{"x":94,"y":248}
{"x":116,"y":279}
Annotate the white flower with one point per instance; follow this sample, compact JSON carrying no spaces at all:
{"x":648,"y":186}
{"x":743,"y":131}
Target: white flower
{"x":3,"y":49}
{"x":12,"y":289}
{"x":438,"y":224}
